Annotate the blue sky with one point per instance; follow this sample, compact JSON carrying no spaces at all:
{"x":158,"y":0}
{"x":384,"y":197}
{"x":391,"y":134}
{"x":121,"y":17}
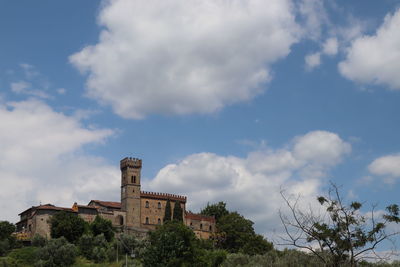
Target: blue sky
{"x":223,"y":100}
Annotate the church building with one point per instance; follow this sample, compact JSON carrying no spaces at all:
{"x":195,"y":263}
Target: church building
{"x":137,"y":213}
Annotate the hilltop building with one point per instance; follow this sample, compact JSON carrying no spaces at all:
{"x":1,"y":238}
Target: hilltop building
{"x":137,"y":213}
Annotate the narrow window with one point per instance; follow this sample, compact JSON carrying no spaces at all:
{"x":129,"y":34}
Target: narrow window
{"x":134,"y":179}
{"x":159,"y":205}
{"x":210,"y":228}
{"x":147,"y":220}
{"x":201,"y":227}
{"x":147,"y":204}
{"x":121,"y":220}
{"x":159,"y":221}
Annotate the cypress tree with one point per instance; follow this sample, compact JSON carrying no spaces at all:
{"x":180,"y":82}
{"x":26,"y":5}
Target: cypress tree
{"x":167,"y":214}
{"x":178,"y":211}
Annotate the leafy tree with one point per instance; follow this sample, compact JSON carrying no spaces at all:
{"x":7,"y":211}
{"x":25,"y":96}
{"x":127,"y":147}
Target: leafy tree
{"x":172,"y":244}
{"x":102,"y":226}
{"x":68,"y":225}
{"x":237,"y":235}
{"x":217,"y":210}
{"x":343,"y":235}
{"x":7,"y":240}
{"x":6,"y":229}
{"x":57,"y":252}
{"x":178,"y":212}
{"x":94,"y":247}
{"x":167,"y":215}
{"x":38,"y":241}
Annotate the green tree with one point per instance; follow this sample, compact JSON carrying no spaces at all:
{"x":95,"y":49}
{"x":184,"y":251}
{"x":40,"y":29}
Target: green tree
{"x":57,"y":252}
{"x":6,"y":229}
{"x":68,"y":225}
{"x":343,"y":235}
{"x":237,"y":235}
{"x":38,"y":241}
{"x":172,"y":244}
{"x":217,"y":210}
{"x":167,"y":214}
{"x":102,"y":226}
{"x":178,"y":212}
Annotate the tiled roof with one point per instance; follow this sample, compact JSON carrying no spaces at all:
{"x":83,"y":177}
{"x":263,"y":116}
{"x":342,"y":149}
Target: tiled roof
{"x":47,"y":207}
{"x":108,"y":204}
{"x":199,"y":217}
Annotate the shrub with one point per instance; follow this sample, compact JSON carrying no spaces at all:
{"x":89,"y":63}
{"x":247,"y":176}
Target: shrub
{"x":57,"y":253}
{"x":38,"y":241}
{"x":102,"y":226}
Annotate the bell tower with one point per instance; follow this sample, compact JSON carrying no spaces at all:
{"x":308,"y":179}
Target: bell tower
{"x":130,"y":190}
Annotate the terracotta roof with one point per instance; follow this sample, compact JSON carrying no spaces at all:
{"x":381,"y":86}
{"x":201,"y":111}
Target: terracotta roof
{"x":199,"y":217}
{"x":46,"y":207}
{"x":108,"y":204}
{"x":163,"y":196}
{"x":52,"y":207}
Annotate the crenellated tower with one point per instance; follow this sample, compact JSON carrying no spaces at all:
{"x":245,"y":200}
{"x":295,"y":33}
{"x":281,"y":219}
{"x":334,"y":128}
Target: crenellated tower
{"x":130,"y":190}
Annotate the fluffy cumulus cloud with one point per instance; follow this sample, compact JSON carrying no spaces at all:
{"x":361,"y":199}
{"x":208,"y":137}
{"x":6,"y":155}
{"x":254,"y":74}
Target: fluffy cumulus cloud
{"x":42,"y":159}
{"x":252,"y":184}
{"x":375,"y":58}
{"x":181,"y":57}
{"x":387,"y":167}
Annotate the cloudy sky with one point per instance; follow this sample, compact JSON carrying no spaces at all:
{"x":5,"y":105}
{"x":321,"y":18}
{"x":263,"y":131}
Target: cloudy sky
{"x":224,"y":100}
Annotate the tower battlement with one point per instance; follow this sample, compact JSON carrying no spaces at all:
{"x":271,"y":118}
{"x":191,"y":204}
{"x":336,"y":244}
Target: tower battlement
{"x":131,"y":163}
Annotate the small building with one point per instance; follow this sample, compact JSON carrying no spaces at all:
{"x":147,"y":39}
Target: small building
{"x":137,"y":213}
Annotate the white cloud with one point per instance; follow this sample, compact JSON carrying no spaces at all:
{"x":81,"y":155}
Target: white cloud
{"x":386,"y":166}
{"x":181,"y":57}
{"x":252,"y":184}
{"x":61,"y":91}
{"x":23,"y":87}
{"x":42,"y":159}
{"x":376,"y":59}
{"x":313,"y":60}
{"x":314,"y":17}
{"x":330,"y":46}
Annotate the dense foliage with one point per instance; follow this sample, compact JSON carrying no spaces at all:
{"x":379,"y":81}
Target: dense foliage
{"x":102,"y":226}
{"x":68,"y":225}
{"x":235,"y":232}
{"x":217,"y":210}
{"x":57,"y":252}
{"x":167,"y":214}
{"x":172,"y":244}
{"x":178,"y":212}
{"x":7,"y":240}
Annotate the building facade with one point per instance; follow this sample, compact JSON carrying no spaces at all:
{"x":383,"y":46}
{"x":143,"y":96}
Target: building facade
{"x":137,"y":213}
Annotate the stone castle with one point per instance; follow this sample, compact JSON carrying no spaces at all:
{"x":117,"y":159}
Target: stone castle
{"x":137,"y":213}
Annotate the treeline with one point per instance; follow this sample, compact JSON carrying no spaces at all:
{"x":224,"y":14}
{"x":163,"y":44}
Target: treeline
{"x":77,"y":243}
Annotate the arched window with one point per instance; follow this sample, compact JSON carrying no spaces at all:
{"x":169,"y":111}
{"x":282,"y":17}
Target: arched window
{"x":210,"y":228}
{"x":159,"y":205}
{"x":121,"y":220}
{"x":159,"y":221}
{"x":201,"y":226}
{"x":147,"y":204}
{"x":147,"y":220}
